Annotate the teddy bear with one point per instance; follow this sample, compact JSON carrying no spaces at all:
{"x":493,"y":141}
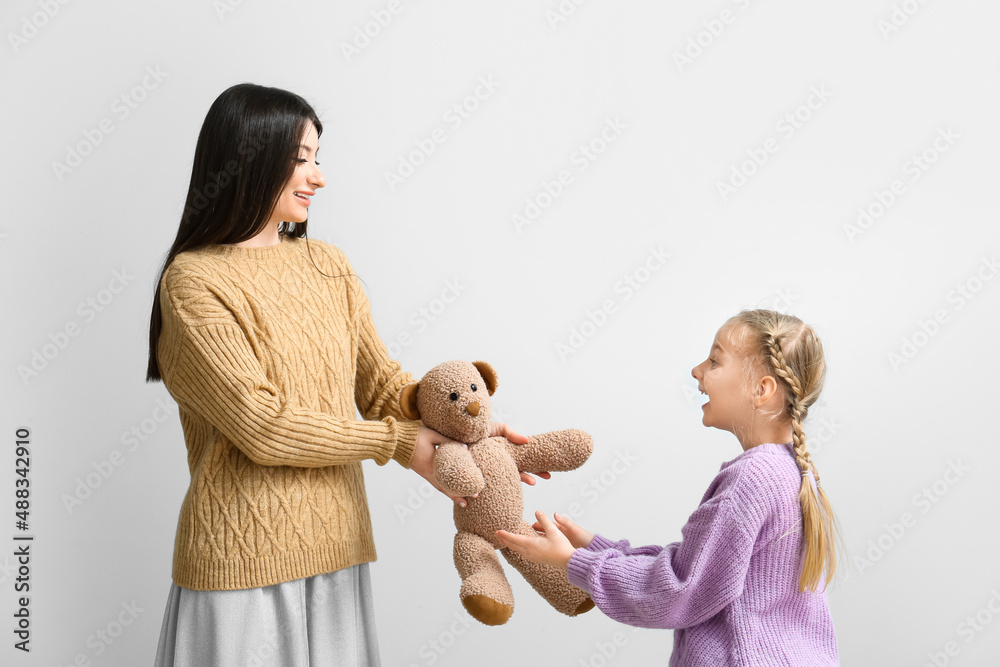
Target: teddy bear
{"x":453,"y":398}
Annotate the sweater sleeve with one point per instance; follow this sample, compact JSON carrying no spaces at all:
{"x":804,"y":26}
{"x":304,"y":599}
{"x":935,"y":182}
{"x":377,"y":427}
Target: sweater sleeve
{"x":211,"y":370}
{"x":379,"y":378}
{"x":680,"y":585}
{"x":600,"y":543}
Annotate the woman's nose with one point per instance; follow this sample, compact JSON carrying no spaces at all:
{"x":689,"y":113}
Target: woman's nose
{"x":318,"y":179}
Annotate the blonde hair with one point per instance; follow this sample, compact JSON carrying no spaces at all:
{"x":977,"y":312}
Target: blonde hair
{"x":786,"y":348}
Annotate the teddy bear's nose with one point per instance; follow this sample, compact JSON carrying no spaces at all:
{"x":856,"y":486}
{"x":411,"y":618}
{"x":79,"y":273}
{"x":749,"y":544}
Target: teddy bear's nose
{"x":472,"y":408}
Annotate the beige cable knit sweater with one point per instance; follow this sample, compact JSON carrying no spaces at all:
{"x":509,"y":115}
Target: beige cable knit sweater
{"x":267,"y":359}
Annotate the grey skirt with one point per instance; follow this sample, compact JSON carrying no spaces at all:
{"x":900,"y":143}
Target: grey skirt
{"x":326,"y":619}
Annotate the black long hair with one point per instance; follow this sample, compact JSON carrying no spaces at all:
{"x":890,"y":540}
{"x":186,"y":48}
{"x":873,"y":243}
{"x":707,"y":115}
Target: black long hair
{"x":245,"y":155}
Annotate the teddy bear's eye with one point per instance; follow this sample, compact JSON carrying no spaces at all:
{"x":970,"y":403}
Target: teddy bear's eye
{"x":453,"y":396}
{"x":473,"y":387}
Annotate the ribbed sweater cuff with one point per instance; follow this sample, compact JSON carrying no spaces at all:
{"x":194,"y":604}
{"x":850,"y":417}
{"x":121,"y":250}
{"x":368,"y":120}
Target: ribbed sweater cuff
{"x":406,"y":441}
{"x":580,"y":564}
{"x":599,"y":543}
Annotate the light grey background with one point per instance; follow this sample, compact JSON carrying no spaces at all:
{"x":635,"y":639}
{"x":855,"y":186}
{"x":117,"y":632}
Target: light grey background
{"x":892,"y":77}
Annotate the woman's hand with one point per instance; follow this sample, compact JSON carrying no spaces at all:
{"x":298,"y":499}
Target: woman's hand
{"x":577,"y":536}
{"x":551,"y":547}
{"x":422,"y":461}
{"x":501,"y":429}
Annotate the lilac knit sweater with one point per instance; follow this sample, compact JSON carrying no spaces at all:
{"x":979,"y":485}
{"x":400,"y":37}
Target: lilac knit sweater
{"x":730,"y":586}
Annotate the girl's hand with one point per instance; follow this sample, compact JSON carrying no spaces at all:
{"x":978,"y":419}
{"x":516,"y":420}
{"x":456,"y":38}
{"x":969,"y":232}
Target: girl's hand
{"x":501,"y":429}
{"x":549,"y":548}
{"x":577,"y":536}
{"x":422,"y":461}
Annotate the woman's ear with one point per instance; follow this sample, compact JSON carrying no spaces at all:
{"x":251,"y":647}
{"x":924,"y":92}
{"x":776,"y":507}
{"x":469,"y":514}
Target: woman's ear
{"x":489,"y":375}
{"x":408,"y":401}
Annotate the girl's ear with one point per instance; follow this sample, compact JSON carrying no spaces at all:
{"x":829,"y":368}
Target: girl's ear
{"x":489,"y":375}
{"x":766,"y":387}
{"x":408,"y":401}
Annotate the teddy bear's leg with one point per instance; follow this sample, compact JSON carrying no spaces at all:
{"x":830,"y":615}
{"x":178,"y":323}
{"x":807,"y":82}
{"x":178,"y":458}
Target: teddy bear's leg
{"x":485,"y":591}
{"x":550,"y":582}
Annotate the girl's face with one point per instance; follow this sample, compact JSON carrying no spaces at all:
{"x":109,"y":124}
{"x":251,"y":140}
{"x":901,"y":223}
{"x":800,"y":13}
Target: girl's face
{"x":293,"y":202}
{"x":721,"y":376}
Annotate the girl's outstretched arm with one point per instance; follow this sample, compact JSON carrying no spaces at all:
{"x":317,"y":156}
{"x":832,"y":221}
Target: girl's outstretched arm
{"x":556,"y":541}
{"x":581,"y":538}
{"x":684,"y":583}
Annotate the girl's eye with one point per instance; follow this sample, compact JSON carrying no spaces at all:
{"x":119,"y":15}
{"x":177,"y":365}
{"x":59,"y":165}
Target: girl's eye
{"x":453,"y":396}
{"x":712,"y":360}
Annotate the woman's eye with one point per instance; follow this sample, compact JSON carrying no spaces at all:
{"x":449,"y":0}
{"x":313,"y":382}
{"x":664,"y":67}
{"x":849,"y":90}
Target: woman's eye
{"x":298,"y":159}
{"x":473,"y":387}
{"x":453,"y":396}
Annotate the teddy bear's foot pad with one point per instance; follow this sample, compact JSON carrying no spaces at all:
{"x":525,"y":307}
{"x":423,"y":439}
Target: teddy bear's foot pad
{"x":584,"y":607}
{"x":487,"y":610}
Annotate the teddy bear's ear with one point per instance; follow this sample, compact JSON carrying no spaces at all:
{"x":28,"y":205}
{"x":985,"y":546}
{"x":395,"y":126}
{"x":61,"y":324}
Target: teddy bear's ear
{"x":408,"y":401}
{"x":489,"y":375}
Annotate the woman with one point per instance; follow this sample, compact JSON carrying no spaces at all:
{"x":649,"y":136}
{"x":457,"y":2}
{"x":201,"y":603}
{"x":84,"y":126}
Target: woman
{"x":265,"y":340}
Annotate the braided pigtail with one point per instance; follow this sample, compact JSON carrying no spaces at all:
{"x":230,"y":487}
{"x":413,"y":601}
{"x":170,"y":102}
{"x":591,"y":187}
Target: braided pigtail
{"x":814,"y":534}
{"x":791,"y":351}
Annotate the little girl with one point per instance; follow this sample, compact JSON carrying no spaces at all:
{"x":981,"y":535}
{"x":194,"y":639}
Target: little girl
{"x":740,"y":588}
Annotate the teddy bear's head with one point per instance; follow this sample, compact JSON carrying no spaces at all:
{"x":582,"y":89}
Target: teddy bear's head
{"x":453,"y":398}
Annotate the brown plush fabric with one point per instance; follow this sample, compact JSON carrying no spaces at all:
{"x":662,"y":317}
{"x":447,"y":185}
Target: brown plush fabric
{"x":453,"y":398}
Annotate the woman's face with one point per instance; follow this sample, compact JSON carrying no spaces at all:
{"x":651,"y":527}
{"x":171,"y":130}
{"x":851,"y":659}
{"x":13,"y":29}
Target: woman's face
{"x":293,"y":202}
{"x":721,"y":376}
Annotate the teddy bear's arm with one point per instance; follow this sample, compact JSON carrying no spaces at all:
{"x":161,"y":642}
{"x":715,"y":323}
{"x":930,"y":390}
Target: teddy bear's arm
{"x":553,"y":451}
{"x":456,"y":471}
